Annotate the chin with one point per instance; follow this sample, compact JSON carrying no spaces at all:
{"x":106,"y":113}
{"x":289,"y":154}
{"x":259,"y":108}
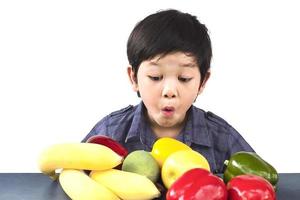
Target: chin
{"x":167,"y":123}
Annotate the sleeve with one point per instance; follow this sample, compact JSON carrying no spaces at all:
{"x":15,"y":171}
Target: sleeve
{"x":99,"y":129}
{"x":236,"y":142}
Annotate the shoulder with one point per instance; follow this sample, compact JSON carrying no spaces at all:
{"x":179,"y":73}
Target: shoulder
{"x":120,"y":116}
{"x":122,"y":111}
{"x":115,"y":123}
{"x":221,"y":126}
{"x":217,"y":127}
{"x":215,"y":119}
{"x":224,"y":134}
{"x":210,"y":118}
{"x":116,"y":114}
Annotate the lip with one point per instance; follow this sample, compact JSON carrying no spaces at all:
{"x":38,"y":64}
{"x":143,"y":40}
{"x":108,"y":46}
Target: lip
{"x":168,"y":111}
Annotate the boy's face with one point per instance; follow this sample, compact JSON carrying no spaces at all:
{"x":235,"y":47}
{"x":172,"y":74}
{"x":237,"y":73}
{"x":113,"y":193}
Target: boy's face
{"x":168,"y":86}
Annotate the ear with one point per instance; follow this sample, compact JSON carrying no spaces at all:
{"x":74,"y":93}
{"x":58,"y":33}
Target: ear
{"x":202,"y":86}
{"x":132,"y":78}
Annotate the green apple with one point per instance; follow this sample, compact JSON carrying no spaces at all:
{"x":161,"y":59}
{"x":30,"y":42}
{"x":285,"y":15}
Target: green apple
{"x":179,"y":162}
{"x":142,"y":162}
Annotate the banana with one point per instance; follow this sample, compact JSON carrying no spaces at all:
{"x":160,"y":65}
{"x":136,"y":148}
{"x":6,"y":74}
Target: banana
{"x":78,"y":186}
{"x":87,"y":156}
{"x":126,"y":185}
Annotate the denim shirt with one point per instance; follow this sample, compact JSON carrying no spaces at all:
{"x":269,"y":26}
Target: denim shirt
{"x":204,"y":132}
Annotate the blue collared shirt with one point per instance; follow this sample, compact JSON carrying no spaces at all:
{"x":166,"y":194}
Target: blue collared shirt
{"x":204,"y":132}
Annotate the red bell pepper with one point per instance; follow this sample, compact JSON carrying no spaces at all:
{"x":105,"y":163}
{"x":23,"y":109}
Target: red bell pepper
{"x":197,"y":184}
{"x":250,"y":187}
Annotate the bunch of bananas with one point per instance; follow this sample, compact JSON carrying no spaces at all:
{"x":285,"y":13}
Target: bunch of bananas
{"x":103,"y":183}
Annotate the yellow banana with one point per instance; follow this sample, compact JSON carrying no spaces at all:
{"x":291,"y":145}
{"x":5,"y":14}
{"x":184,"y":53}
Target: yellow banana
{"x":87,"y":156}
{"x":126,"y":185}
{"x":78,"y":186}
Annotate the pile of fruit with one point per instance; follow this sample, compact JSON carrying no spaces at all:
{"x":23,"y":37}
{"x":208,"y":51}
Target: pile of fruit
{"x":102,"y":169}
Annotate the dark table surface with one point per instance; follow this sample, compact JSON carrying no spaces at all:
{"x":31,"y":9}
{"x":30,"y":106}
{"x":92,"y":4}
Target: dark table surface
{"x":36,"y":186}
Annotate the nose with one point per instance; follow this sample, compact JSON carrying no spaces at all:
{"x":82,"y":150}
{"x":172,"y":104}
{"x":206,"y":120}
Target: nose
{"x":169,"y":90}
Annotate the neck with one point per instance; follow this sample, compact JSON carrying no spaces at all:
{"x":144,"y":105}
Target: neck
{"x":172,"y":132}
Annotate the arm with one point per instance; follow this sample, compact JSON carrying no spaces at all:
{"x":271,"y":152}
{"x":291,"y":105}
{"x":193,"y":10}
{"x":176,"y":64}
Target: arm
{"x":237,"y":143}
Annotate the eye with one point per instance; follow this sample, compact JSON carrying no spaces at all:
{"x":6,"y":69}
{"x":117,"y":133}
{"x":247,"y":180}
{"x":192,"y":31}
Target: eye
{"x":155,"y":78}
{"x":184,"y":80}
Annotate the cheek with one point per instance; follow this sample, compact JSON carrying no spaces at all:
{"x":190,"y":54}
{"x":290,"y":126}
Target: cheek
{"x":189,"y":95}
{"x":147,"y":91}
{"x":149,"y":96}
{"x":150,"y":102}
{"x":147,"y":87}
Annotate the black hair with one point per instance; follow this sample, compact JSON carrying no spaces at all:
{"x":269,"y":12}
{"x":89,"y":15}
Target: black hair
{"x":166,"y":32}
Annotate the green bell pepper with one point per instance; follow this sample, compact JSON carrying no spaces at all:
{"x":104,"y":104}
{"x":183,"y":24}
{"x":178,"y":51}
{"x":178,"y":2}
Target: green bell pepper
{"x":249,"y":163}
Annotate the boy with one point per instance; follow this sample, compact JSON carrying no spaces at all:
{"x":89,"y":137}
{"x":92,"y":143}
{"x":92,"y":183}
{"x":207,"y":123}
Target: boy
{"x":169,"y":53}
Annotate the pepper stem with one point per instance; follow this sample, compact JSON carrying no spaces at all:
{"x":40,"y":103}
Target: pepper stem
{"x":226,"y":162}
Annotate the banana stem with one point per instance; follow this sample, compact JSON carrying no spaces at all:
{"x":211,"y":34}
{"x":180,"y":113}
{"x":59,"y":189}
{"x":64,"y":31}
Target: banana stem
{"x":52,"y":175}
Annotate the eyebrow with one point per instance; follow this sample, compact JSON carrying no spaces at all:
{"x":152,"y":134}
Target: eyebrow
{"x":188,"y":65}
{"x":182,"y":65}
{"x":153,"y":63}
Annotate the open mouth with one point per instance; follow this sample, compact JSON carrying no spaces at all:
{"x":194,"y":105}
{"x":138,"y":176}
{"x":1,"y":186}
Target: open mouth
{"x":168,"y":110}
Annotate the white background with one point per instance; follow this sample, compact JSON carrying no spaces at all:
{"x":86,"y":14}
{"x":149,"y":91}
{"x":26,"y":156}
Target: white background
{"x":63,"y":68}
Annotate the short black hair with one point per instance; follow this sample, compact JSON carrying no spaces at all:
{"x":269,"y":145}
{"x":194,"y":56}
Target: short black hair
{"x":166,"y":32}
